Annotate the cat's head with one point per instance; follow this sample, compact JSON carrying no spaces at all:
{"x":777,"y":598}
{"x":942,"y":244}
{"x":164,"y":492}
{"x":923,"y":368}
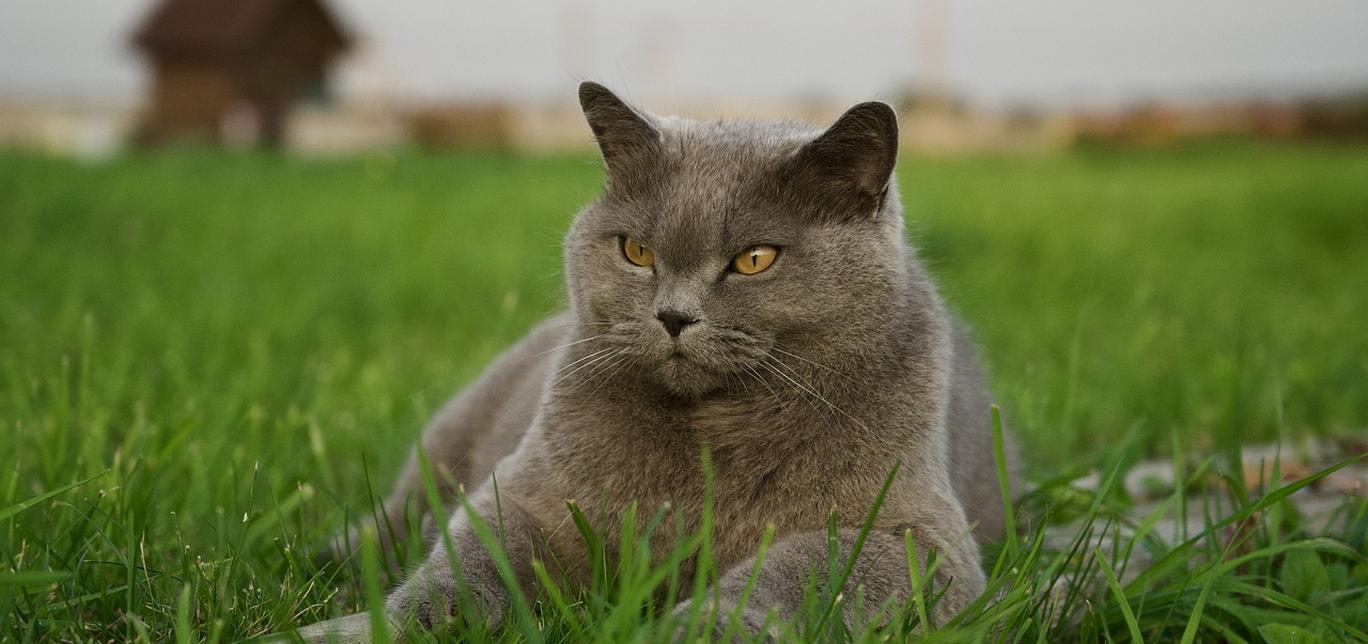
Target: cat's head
{"x":719,"y":251}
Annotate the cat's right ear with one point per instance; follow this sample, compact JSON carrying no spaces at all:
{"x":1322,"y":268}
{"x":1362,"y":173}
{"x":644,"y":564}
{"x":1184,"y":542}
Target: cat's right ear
{"x":626,"y":137}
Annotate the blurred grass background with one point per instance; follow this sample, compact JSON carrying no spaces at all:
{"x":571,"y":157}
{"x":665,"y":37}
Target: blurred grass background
{"x":247,"y":339}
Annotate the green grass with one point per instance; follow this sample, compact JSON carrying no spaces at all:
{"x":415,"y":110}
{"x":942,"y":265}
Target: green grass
{"x":228,"y":354}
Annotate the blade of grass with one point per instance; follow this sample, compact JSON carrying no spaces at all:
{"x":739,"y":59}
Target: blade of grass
{"x":1004,"y":482}
{"x":465,"y":601}
{"x":16,"y":508}
{"x":858,"y":546}
{"x":184,"y":631}
{"x":521,"y":608}
{"x":1115,"y":587}
{"x":1195,"y":619}
{"x":704,"y":563}
{"x":1179,"y":554}
{"x":375,"y":600}
{"x":598,"y":564}
{"x":741,"y":602}
{"x":914,"y":571}
{"x":563,"y":607}
{"x":26,"y":578}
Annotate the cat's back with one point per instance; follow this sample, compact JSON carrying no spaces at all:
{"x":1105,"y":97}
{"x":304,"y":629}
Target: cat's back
{"x":485,"y":422}
{"x":969,"y":425}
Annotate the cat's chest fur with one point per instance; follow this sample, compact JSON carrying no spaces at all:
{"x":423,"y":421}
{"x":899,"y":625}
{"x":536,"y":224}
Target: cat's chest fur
{"x":621,"y":453}
{"x":732,"y":423}
{"x":655,"y":449}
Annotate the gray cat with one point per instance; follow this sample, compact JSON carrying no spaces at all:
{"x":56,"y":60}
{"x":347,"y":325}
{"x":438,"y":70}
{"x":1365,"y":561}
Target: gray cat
{"x":744,"y":288}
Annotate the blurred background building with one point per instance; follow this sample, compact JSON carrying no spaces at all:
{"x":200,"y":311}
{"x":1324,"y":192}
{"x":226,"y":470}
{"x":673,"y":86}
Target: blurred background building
{"x":231,"y":71}
{"x":85,"y":77}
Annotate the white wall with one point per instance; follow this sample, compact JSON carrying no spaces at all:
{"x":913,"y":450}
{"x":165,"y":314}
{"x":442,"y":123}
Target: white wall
{"x":1056,"y":52}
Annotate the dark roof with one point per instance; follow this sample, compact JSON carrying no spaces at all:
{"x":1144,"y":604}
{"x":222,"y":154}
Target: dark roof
{"x":219,"y":26}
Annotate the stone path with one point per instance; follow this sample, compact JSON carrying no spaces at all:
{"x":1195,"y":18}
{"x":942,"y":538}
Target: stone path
{"x":1150,"y":486}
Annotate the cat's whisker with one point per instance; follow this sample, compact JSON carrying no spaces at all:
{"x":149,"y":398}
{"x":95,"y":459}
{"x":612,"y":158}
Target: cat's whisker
{"x":589,"y":356}
{"x":814,"y":362}
{"x":538,"y":354}
{"x":609,"y":375}
{"x":598,"y":356}
{"x":520,"y":399}
{"x":754,"y":374}
{"x":785,"y":376}
{"x":600,"y":366}
{"x":580,"y":323}
{"x":441,"y":383}
{"x":823,"y":414}
{"x":736,"y":383}
{"x":794,"y":376}
{"x":808,"y":388}
{"x":564,"y":346}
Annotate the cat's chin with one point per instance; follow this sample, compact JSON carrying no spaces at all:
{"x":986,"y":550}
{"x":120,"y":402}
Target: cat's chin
{"x":685,"y":378}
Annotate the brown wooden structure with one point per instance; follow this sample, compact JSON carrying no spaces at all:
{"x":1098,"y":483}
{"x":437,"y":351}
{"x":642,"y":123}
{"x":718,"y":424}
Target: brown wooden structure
{"x":233,"y":68}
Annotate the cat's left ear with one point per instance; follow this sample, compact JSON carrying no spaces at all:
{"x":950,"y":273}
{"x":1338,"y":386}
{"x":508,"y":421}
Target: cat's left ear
{"x":852,"y":162}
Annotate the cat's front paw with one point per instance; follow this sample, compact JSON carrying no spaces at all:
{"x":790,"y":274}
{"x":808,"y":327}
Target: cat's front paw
{"x":430,"y":601}
{"x":720,"y":624}
{"x":426,"y":604}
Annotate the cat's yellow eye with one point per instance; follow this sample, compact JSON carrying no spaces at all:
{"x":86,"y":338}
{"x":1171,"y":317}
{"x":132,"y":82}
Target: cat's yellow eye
{"x":637,"y":253}
{"x":755,"y":259}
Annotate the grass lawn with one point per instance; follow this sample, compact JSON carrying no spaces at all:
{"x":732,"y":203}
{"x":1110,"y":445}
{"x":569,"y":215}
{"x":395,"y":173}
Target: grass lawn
{"x":228,"y":354}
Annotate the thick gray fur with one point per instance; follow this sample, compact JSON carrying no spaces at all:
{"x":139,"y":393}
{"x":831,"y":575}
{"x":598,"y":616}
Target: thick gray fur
{"x":807,"y":382}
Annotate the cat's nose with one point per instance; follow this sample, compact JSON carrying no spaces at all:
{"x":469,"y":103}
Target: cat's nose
{"x":675,"y":321}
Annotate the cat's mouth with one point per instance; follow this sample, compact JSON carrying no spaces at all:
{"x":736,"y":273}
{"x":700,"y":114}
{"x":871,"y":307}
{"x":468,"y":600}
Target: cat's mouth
{"x":679,"y":355}
{"x":705,"y":359}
